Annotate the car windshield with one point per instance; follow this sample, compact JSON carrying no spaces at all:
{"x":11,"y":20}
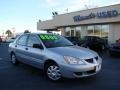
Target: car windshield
{"x":50,"y":41}
{"x":73,"y":38}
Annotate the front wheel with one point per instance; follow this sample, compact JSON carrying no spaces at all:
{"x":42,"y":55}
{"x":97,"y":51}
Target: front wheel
{"x":53,"y":72}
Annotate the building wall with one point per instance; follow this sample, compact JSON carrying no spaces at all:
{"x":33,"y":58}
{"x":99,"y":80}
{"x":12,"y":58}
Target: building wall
{"x":114,"y":33}
{"x":63,"y":31}
{"x":111,"y":34}
{"x":83,"y":31}
{"x":117,"y":31}
{"x":67,"y":19}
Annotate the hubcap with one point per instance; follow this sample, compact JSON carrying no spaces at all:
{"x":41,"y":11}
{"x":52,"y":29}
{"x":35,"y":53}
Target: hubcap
{"x":53,"y":72}
{"x":13,"y":59}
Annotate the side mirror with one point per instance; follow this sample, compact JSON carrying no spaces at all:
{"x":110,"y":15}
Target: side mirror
{"x":39,"y":46}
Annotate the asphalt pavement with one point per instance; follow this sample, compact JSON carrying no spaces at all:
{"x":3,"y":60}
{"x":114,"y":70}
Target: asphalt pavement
{"x":24,"y":77}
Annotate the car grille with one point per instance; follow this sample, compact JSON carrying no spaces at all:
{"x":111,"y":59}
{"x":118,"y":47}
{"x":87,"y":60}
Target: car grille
{"x":85,"y":72}
{"x":89,"y":60}
{"x":91,"y":71}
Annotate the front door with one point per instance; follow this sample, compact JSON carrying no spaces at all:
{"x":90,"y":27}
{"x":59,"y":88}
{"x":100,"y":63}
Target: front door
{"x":35,"y":56}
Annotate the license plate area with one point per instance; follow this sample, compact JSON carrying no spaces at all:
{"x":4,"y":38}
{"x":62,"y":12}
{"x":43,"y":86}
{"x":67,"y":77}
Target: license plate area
{"x":97,"y":68}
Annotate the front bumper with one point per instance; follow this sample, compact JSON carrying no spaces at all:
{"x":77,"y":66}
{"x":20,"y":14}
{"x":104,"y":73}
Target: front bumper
{"x":79,"y":71}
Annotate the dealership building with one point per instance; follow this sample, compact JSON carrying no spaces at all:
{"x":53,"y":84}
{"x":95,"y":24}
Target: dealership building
{"x":103,"y":22}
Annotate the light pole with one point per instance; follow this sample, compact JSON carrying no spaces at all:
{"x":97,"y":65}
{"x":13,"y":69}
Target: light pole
{"x":13,"y":29}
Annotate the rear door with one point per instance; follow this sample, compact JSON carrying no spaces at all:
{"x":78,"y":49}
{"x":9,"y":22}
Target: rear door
{"x":20,"y":48}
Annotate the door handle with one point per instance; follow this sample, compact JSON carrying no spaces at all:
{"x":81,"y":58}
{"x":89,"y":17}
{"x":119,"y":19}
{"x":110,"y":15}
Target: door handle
{"x":26,"y":48}
{"x":15,"y":45}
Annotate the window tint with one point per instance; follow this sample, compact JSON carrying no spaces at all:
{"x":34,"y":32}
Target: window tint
{"x":22,"y":40}
{"x":33,"y":40}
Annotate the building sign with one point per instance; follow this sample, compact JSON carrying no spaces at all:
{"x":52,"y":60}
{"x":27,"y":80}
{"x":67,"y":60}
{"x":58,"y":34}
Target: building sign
{"x":104,"y":14}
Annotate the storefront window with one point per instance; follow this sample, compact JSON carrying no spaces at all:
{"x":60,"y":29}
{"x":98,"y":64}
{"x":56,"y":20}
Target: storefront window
{"x":105,"y":31}
{"x":97,"y":30}
{"x":78,"y":31}
{"x":90,"y":30}
{"x":67,"y":31}
{"x":72,"y":31}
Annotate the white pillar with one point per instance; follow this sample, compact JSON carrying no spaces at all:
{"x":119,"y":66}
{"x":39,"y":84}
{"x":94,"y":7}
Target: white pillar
{"x":111,"y":34}
{"x":83,"y":31}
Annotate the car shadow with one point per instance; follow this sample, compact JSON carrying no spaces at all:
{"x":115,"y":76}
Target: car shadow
{"x":40,"y":73}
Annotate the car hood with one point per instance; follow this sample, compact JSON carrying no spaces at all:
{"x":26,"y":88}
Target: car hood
{"x":74,"y":51}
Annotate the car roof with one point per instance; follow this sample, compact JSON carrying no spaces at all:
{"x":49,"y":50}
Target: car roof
{"x":38,"y":33}
{"x":91,"y":36}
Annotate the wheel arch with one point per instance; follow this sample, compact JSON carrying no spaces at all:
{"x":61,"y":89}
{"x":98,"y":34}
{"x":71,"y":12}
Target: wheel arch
{"x":49,"y":61}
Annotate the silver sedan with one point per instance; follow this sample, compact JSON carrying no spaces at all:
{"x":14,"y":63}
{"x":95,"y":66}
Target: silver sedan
{"x":57,"y":56}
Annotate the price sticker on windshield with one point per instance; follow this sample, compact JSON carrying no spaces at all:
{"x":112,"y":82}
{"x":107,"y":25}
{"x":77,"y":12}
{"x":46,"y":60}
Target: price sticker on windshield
{"x":48,"y":37}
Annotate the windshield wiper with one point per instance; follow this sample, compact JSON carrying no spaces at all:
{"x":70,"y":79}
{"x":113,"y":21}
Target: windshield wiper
{"x":68,"y":45}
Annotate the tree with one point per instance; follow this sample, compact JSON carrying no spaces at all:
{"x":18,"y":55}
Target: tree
{"x":26,"y":31}
{"x":9,"y":33}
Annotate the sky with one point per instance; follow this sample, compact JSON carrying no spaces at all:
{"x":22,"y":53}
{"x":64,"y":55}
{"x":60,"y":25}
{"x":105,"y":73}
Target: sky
{"x":19,"y":15}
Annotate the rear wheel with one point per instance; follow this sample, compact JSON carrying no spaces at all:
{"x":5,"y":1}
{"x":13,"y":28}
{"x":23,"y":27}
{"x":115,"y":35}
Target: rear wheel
{"x":14,"y":59}
{"x":53,"y":72}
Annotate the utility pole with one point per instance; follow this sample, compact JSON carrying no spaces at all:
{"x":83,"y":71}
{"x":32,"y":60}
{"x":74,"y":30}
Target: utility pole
{"x":13,"y":30}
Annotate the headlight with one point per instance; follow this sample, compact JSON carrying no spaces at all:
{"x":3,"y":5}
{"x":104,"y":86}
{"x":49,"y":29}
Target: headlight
{"x":73,"y":60}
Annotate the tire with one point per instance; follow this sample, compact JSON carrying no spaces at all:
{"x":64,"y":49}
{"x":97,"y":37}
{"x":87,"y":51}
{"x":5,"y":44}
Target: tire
{"x":14,"y":59}
{"x":52,"y":71}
